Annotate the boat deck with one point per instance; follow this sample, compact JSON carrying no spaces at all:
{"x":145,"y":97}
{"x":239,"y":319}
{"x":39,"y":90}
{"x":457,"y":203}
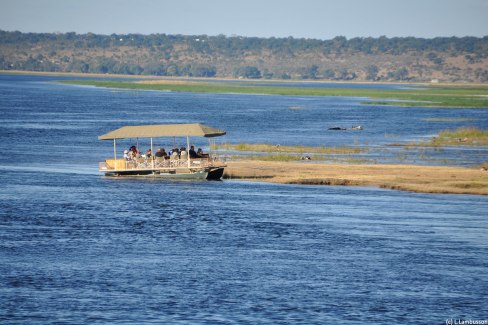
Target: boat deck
{"x":159,"y":166}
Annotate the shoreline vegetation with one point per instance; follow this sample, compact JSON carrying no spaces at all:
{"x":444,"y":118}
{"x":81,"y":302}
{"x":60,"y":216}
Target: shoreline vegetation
{"x":269,"y":152}
{"x":467,"y":136}
{"x":448,"y":95}
{"x":418,"y":95}
{"x":261,"y":147}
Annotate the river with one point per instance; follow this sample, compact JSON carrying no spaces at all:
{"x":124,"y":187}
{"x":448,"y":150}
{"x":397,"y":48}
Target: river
{"x":76,"y":247}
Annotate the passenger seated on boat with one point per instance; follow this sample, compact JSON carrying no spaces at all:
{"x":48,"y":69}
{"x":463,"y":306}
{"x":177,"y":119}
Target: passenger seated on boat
{"x":183,"y":155}
{"x":175,"y":154}
{"x":193,"y":153}
{"x":161,"y":153}
{"x":174,"y":158}
{"x":149,"y":153}
{"x":200,"y":153}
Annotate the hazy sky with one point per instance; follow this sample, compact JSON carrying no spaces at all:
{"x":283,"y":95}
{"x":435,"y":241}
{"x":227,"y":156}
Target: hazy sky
{"x":322,"y":19}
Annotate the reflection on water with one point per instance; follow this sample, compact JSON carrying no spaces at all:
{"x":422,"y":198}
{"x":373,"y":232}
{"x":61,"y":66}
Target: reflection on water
{"x":76,"y":247}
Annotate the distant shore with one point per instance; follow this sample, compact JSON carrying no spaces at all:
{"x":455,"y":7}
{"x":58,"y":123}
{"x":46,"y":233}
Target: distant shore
{"x":75,"y":74}
{"x":414,"y":178}
{"x":431,"y":96}
{"x":308,"y":81}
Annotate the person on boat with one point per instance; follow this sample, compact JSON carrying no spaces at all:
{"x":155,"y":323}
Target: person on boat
{"x":126,"y":155}
{"x":175,"y":153}
{"x":131,"y":153}
{"x":193,"y":153}
{"x":149,"y":153}
{"x":183,"y":151}
{"x":200,"y":153}
{"x":161,"y":153}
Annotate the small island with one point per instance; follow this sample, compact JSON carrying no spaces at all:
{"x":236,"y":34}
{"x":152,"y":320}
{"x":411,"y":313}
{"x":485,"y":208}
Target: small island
{"x":291,"y":165}
{"x":424,"y":179}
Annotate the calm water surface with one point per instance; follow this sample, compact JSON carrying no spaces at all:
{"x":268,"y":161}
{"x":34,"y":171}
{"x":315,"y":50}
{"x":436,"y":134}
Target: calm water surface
{"x":76,"y":247}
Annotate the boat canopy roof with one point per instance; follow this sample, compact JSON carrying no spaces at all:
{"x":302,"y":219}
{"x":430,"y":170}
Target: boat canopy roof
{"x":162,"y":130}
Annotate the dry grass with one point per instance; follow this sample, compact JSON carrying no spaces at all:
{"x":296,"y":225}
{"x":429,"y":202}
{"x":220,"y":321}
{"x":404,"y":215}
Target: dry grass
{"x":426,"y":179}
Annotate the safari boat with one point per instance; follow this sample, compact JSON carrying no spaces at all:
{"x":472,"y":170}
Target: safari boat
{"x":173,"y":167}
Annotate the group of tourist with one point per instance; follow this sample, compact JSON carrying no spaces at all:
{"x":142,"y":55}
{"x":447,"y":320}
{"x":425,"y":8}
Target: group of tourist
{"x":174,"y":153}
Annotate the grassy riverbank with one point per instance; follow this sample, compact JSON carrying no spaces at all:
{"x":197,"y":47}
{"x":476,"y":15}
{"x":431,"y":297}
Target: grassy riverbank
{"x":425,"y":179}
{"x":425,"y":96}
{"x":269,"y":152}
{"x":467,"y":136}
{"x":462,"y":136}
{"x":280,"y":164}
{"x":252,"y":147}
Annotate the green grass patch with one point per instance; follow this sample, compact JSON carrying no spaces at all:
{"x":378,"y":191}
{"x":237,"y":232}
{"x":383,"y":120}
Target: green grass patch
{"x":448,"y":120}
{"x":247,"y":147}
{"x":270,"y":157}
{"x":462,"y":136}
{"x":428,"y":96}
{"x":467,"y":136}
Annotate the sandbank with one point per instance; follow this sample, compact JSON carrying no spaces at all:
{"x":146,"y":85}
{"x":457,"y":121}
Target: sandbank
{"x":415,"y":178}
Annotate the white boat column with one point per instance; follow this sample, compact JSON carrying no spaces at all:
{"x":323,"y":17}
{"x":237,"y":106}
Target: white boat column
{"x":152,"y":154}
{"x":115,"y":156}
{"x":188,"y":150}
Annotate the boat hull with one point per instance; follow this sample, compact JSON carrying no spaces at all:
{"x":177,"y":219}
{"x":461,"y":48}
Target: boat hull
{"x":209,"y":174}
{"x":215,"y":173}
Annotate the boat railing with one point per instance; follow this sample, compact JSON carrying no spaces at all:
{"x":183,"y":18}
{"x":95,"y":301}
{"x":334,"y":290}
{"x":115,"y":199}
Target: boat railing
{"x":158,"y":163}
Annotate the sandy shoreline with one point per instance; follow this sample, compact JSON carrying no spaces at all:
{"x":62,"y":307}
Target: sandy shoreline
{"x":424,"y":179}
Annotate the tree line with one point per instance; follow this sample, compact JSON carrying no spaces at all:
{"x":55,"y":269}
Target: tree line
{"x":232,"y":44}
{"x":210,"y":56}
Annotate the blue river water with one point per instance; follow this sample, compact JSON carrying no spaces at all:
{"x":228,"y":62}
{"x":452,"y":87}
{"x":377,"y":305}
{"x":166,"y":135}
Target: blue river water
{"x":78,"y":248}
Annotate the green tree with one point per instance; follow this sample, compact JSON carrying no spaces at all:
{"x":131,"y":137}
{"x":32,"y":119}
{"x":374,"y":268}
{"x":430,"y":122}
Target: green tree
{"x":172,"y":70}
{"x":343,"y":74}
{"x":310,"y":72}
{"x":154,"y":69}
{"x":372,"y":72}
{"x":203,"y":71}
{"x":329,"y":74}
{"x":250,"y":72}
{"x":400,"y":74}
{"x":435,"y":58}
